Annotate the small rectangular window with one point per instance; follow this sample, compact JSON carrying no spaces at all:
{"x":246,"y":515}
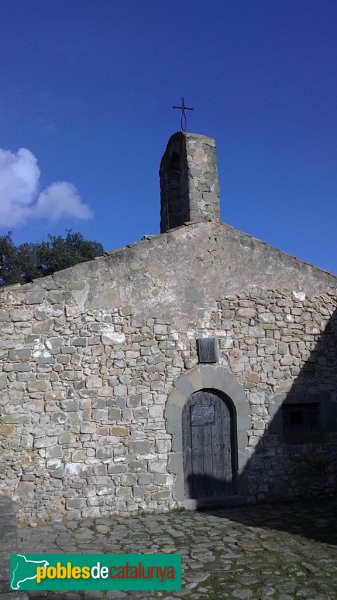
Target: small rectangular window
{"x":301,"y":417}
{"x":207,"y":352}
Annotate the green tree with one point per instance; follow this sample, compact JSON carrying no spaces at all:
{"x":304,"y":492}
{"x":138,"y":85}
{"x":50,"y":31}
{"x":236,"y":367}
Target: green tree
{"x":9,"y":269}
{"x":21,"y":264}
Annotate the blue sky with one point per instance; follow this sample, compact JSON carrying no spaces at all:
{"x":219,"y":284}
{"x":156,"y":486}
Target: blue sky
{"x":87,"y":89}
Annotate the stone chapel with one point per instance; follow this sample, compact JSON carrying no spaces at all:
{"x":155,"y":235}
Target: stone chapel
{"x":195,"y":367}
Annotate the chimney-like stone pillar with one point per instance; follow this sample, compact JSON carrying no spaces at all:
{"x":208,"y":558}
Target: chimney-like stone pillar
{"x":189,"y":186}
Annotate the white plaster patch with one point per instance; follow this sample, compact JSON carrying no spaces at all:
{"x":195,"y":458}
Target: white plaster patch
{"x":54,"y":463}
{"x":110,"y":336}
{"x":181,"y":345}
{"x":266,"y":317}
{"x":39,"y":347}
{"x":299,"y":296}
{"x":73,"y":468}
{"x":104,"y":491}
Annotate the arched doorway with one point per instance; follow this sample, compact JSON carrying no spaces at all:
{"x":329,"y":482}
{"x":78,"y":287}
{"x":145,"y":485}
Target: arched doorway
{"x":220,"y":381}
{"x":209,"y":447}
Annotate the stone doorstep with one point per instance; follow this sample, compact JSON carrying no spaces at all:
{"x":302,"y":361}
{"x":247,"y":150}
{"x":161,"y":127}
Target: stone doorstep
{"x":220,"y":502}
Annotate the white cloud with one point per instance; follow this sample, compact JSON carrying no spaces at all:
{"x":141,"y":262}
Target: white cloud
{"x":20,"y":200}
{"x":19,"y":180}
{"x":61,"y":200}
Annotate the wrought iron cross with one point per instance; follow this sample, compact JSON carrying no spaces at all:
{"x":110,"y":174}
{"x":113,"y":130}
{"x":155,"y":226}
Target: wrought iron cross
{"x":183,"y":120}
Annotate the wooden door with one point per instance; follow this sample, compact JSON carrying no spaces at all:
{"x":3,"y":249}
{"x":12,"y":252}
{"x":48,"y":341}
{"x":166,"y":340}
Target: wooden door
{"x":208,"y":445}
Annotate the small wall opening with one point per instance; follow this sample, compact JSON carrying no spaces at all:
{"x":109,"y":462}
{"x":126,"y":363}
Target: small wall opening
{"x":301,"y":417}
{"x":175,"y":163}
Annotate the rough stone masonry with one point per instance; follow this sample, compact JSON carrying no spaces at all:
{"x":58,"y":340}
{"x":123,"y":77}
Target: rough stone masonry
{"x":98,"y":361}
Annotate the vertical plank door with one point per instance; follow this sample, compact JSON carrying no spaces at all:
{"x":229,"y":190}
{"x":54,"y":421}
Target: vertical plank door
{"x":207,"y":445}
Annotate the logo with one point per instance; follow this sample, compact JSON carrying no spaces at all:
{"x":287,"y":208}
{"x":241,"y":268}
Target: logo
{"x":95,"y":571}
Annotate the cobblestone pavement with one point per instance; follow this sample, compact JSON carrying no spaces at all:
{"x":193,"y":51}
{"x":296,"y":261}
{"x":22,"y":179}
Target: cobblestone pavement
{"x":280,"y":552}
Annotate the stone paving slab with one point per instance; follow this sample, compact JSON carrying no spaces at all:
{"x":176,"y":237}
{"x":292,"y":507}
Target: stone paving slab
{"x":283,"y":552}
{"x":13,"y":596}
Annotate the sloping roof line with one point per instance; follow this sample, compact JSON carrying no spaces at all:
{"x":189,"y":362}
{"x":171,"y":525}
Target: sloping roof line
{"x":148,"y":238}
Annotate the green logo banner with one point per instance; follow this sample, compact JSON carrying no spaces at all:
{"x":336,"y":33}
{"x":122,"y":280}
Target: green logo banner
{"x":95,"y":571}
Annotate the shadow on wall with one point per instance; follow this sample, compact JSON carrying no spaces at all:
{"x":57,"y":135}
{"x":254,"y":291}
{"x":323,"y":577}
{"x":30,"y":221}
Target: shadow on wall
{"x":296,"y":457}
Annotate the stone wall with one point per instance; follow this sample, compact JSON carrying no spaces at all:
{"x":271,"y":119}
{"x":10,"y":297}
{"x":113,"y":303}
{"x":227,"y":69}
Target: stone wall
{"x":84,"y":387}
{"x":281,"y":346}
{"x":9,"y":545}
{"x":179,"y":275}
